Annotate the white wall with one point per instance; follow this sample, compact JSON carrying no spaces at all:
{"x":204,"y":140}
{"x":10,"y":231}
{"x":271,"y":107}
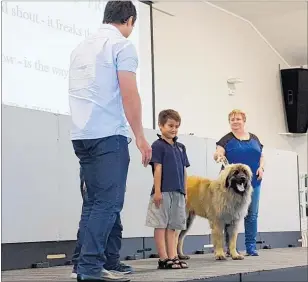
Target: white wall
{"x":48,"y":181}
{"x":196,"y":51}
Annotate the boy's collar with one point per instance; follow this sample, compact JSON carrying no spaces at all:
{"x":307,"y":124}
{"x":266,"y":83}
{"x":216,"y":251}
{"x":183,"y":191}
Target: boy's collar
{"x":160,"y":137}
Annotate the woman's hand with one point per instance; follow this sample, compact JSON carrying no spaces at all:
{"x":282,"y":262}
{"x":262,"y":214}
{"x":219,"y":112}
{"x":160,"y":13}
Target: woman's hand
{"x":260,"y":172}
{"x":157,"y":199}
{"x":218,"y":156}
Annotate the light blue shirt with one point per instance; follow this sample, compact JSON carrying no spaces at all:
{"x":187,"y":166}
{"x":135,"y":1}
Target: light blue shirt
{"x":94,"y":94}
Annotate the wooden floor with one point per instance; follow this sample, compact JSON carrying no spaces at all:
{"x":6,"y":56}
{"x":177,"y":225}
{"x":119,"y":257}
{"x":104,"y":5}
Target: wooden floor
{"x":200,"y":266}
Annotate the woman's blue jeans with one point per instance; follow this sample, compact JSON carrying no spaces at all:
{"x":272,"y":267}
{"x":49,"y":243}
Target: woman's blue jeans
{"x":251,"y":221}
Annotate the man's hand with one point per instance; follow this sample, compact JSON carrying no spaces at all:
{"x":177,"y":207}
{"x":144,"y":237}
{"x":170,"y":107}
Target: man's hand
{"x":157,"y":199}
{"x":145,"y":150}
{"x":260,"y":172}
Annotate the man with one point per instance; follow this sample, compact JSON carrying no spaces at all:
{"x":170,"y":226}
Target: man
{"x":103,"y":96}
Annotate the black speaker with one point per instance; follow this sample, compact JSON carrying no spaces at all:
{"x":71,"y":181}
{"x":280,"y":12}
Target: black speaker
{"x":295,"y":92}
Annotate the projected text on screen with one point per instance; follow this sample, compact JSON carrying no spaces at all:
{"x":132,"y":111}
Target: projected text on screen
{"x":38,"y":38}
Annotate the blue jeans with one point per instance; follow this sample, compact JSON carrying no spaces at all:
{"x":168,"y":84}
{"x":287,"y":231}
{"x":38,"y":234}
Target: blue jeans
{"x":76,"y":253}
{"x":251,"y":221}
{"x":104,"y":165}
{"x":112,"y":251}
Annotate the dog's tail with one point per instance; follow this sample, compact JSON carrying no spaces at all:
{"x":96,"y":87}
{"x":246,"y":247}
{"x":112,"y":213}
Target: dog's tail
{"x":189,"y":221}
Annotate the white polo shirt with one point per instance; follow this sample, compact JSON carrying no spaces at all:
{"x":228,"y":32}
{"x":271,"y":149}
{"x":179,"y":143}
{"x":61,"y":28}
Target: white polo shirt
{"x":94,"y":94}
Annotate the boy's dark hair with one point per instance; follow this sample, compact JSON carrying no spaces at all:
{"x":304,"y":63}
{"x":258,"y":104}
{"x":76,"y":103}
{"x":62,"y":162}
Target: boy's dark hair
{"x":168,"y":114}
{"x":118,"y":12}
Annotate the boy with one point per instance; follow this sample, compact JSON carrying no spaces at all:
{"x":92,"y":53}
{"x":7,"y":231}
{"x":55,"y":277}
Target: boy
{"x":166,"y":210}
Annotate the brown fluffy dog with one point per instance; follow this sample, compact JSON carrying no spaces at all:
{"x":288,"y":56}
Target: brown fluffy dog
{"x":223,"y":201}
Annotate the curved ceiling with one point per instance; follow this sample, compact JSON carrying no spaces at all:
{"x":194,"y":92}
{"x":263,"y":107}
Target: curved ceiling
{"x":283,"y":23}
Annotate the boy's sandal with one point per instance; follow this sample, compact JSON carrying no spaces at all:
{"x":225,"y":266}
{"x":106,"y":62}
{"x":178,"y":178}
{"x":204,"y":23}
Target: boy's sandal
{"x":181,"y":263}
{"x":184,"y":257}
{"x":168,"y":264}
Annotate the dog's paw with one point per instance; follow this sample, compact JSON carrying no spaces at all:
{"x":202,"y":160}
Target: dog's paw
{"x":220,"y":256}
{"x":237,"y":257}
{"x":183,"y":257}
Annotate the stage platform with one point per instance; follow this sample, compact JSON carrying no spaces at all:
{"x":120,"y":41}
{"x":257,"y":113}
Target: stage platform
{"x":288,"y":264}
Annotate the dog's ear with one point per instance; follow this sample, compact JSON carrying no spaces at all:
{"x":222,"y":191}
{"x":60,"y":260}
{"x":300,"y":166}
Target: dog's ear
{"x":248,"y":172}
{"x":227,"y":182}
{"x":227,"y":178}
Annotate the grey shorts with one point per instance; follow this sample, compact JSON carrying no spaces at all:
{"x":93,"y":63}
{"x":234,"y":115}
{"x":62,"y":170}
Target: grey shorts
{"x":171,"y":213}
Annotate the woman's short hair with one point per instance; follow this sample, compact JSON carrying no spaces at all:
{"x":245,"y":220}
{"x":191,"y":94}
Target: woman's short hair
{"x":237,"y":112}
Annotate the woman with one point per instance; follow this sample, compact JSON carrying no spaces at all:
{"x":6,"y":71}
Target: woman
{"x":239,"y":146}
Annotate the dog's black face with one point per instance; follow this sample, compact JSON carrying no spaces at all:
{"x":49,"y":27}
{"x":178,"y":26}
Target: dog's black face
{"x":238,"y":180}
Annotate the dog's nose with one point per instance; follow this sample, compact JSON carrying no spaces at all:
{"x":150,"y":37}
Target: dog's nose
{"x":243,"y":178}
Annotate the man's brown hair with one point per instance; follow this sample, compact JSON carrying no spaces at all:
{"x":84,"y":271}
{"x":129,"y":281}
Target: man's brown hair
{"x":168,"y":114}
